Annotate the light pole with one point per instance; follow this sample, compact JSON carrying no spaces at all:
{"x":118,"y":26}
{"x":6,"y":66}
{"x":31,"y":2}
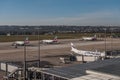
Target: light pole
{"x":111,"y":41}
{"x":38,"y":32}
{"x":105,"y":39}
{"x":25,"y":61}
{"x":24,"y":55}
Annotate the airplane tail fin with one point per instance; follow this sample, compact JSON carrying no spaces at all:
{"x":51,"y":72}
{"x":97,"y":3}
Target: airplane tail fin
{"x":73,"y":49}
{"x":55,"y":39}
{"x":72,"y":46}
{"x":26,"y":40}
{"x":95,"y":36}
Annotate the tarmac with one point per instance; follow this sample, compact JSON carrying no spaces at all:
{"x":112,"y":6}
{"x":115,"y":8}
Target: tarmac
{"x":50,"y":53}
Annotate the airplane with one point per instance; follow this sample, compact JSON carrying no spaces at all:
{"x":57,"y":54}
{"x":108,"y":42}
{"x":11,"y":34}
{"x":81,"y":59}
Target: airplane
{"x":90,"y":38}
{"x":55,"y":40}
{"x":87,"y":53}
{"x":21,"y":43}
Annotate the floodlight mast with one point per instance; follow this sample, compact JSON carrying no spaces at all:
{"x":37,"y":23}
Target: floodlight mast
{"x":39,"y":46}
{"x":24,"y":55}
{"x":111,"y":41}
{"x":38,"y":33}
{"x":105,"y":39}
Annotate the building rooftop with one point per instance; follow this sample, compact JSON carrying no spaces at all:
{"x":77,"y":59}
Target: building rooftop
{"x":109,"y":67}
{"x":113,"y":69}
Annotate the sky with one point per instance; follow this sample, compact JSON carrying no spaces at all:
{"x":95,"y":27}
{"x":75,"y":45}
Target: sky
{"x":60,"y":12}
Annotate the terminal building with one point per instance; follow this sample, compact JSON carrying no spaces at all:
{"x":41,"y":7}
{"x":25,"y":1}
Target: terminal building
{"x":108,"y":69}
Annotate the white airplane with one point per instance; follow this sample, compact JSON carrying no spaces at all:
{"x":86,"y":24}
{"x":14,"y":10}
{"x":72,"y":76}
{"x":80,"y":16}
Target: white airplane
{"x":86,"y":53}
{"x":55,"y":40}
{"x":89,"y":38}
{"x":21,"y":43}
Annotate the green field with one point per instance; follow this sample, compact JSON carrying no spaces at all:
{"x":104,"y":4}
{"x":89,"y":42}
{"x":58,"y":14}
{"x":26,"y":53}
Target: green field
{"x":4,"y":38}
{"x":11,"y":38}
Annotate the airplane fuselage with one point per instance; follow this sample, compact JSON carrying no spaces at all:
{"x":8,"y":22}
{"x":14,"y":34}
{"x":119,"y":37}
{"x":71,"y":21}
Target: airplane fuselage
{"x":49,"y":41}
{"x":20,"y":43}
{"x":86,"y":53}
{"x":89,"y":38}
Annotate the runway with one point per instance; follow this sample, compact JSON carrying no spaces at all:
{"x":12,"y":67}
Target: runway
{"x":52,"y":52}
{"x":67,"y":45}
{"x":7,"y":48}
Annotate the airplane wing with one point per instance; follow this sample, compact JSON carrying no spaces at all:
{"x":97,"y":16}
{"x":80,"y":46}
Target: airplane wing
{"x":72,"y":44}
